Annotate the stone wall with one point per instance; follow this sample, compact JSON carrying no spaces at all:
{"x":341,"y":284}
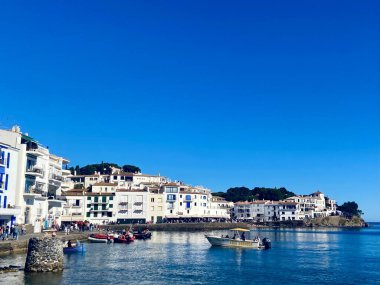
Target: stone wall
{"x":44,"y":255}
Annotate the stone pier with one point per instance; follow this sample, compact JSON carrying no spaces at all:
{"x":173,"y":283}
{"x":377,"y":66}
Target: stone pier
{"x":44,"y":255}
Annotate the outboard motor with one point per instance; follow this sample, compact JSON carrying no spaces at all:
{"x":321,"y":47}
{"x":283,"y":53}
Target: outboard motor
{"x":267,"y":243}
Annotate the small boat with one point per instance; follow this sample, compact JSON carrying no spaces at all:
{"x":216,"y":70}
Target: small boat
{"x":77,"y":248}
{"x":238,"y":240}
{"x":145,"y":234}
{"x":101,"y":238}
{"x":124,"y":238}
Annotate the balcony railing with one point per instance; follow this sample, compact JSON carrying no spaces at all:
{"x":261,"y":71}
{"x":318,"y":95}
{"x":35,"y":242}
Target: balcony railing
{"x":35,"y":171}
{"x":56,"y":177}
{"x":36,"y":190}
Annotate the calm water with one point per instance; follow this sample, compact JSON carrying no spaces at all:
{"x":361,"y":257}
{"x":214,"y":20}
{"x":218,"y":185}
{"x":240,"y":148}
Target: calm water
{"x":297,"y":257}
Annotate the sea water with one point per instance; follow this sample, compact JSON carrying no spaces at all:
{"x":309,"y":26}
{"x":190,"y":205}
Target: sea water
{"x":298,"y":256}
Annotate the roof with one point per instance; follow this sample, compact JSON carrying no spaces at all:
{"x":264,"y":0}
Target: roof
{"x":104,"y":184}
{"x":171,"y":184}
{"x":131,"y":190}
{"x":288,"y":203}
{"x":239,"y":230}
{"x":130,"y":174}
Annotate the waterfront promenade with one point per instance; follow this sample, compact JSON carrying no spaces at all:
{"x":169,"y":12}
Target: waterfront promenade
{"x":19,"y":246}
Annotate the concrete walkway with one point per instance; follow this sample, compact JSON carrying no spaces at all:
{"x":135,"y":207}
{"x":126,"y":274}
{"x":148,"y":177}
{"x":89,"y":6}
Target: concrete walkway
{"x":18,"y":246}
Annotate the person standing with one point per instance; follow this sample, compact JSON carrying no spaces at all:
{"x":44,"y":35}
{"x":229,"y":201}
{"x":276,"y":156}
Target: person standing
{"x":23,"y":230}
{"x":15,"y":232}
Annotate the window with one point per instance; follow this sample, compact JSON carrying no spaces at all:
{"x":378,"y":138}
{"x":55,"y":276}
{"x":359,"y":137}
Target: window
{"x":152,"y":200}
{"x":104,"y":199}
{"x":95,"y":215}
{"x":152,"y":208}
{"x":293,"y":213}
{"x":87,"y":215}
{"x":111,"y":205}
{"x":96,"y":199}
{"x":180,"y":203}
{"x":180,"y":196}
{"x":111,"y":198}
{"x":115,"y":177}
{"x":171,"y":189}
{"x":89,"y":198}
{"x":188,"y":211}
{"x":195,"y":203}
{"x":171,"y":197}
{"x":88,"y":205}
{"x":171,"y":211}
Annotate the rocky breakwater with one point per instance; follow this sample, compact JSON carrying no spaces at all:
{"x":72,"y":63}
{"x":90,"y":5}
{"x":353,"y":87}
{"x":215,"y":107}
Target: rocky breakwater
{"x":336,"y":221}
{"x":44,"y":255}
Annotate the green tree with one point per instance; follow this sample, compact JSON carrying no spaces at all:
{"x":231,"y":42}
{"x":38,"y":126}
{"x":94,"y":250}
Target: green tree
{"x":239,"y":194}
{"x":131,"y":168}
{"x":350,"y":209}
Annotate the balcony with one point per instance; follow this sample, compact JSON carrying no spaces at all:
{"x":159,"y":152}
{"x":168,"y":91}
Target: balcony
{"x":35,"y":191}
{"x":56,"y":177}
{"x":36,"y":151}
{"x":66,"y":172}
{"x":11,"y":211}
{"x":35,"y":171}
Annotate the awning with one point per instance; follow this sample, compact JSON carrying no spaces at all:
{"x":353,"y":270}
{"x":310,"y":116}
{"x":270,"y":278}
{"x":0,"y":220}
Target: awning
{"x":2,"y":170}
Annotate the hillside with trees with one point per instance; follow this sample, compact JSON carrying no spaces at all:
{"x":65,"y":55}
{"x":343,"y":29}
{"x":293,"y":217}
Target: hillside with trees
{"x":258,"y":193}
{"x":350,"y":209}
{"x":102,"y":168}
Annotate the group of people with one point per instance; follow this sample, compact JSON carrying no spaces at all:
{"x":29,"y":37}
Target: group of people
{"x":242,"y":236}
{"x":13,"y":231}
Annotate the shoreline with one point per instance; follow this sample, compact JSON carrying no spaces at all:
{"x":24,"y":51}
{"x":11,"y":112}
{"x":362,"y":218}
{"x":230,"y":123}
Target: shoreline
{"x":20,"y":246}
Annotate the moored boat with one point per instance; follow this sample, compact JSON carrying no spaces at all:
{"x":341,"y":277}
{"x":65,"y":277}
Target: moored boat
{"x":145,"y":234}
{"x":100,"y":238}
{"x":77,"y":248}
{"x":124,"y":238}
{"x":238,"y":240}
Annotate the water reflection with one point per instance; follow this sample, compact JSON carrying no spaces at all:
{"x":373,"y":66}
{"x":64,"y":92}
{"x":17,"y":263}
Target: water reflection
{"x":297,"y":256}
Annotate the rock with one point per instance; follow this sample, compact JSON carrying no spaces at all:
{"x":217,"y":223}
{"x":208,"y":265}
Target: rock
{"x":44,"y":255}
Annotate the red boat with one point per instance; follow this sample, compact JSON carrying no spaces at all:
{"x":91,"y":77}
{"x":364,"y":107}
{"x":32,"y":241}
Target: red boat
{"x":101,"y":238}
{"x":124,"y":239}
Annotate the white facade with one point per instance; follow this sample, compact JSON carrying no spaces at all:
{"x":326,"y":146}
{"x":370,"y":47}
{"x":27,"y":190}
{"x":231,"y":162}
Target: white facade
{"x":33,"y":175}
{"x":132,"y":206}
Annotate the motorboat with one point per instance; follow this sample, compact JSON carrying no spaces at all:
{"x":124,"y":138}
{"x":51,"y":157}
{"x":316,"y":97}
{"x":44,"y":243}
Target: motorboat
{"x":101,"y":238}
{"x":75,"y":248}
{"x":145,"y":234}
{"x":127,"y":238}
{"x":238,"y":240}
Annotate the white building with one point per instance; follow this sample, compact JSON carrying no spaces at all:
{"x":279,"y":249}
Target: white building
{"x":32,"y":175}
{"x":254,"y":211}
{"x":133,"y":206}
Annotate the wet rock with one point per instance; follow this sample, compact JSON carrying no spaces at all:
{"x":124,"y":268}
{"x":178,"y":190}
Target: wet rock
{"x":44,"y":255}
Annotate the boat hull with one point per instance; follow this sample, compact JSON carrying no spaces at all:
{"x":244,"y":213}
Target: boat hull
{"x":77,"y":249}
{"x":98,"y":240}
{"x":237,"y":243}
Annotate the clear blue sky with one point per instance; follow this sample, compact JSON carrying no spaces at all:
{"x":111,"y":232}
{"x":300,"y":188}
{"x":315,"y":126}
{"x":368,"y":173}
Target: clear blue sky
{"x":218,"y":93}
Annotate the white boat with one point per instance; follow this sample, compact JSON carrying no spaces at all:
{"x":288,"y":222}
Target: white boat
{"x":238,"y":240}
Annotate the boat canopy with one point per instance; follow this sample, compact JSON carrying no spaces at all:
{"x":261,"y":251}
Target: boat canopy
{"x":239,"y":230}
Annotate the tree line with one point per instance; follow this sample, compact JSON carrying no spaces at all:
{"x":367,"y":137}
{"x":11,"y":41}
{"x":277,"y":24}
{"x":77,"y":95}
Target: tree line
{"x":102,"y":168}
{"x":236,"y":194}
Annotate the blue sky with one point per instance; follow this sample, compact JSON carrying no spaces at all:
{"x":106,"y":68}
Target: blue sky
{"x":218,"y":93}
